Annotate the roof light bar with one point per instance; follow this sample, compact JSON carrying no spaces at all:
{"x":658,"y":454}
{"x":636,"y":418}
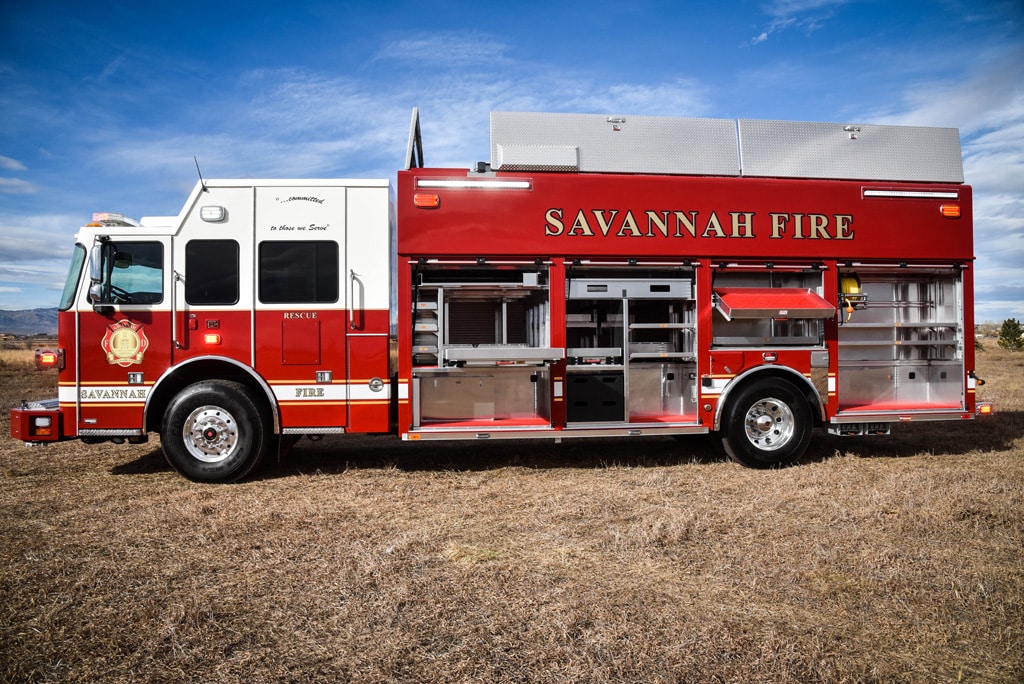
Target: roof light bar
{"x":474,"y":184}
{"x":914,"y":194}
{"x":110,"y":218}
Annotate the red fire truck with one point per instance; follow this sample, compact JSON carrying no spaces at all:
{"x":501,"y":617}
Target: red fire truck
{"x":600,"y":276}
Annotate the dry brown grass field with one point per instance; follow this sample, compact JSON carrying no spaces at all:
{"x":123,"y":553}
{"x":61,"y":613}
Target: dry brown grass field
{"x":884,"y":559}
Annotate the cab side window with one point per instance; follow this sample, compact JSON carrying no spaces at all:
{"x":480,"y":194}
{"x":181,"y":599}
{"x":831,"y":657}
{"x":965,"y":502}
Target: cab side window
{"x":211,"y":272}
{"x":133,"y":273}
{"x":298,"y":272}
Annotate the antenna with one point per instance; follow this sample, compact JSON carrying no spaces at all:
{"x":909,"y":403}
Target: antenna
{"x":414,"y":153}
{"x":201,"y":181}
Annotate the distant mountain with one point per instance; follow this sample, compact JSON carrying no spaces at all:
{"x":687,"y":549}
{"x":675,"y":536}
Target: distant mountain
{"x":29,"y":322}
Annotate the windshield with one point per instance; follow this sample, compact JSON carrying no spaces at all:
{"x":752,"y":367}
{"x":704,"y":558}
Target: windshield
{"x":67,"y":297}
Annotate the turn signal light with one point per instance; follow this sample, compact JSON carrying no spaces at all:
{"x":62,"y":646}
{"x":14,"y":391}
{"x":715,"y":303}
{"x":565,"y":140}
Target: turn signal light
{"x":985,"y":408}
{"x":950,"y":210}
{"x":211,"y":338}
{"x":425,"y":200}
{"x":42,"y":426}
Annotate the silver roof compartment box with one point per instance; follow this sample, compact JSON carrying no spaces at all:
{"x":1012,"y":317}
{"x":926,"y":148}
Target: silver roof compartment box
{"x":597,"y":143}
{"x":797,"y":149}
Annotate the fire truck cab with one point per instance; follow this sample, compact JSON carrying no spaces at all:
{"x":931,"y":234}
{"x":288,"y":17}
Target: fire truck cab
{"x":600,"y":276}
{"x":260,"y":312}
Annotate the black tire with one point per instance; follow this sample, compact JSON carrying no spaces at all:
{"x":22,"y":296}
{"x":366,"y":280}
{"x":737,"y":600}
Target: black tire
{"x":766,"y":425}
{"x":213,"y":431}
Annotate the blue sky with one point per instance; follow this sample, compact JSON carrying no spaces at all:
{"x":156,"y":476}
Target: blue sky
{"x":105,"y":103}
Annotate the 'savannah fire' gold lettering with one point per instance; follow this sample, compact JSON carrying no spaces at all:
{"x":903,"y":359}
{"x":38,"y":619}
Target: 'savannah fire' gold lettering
{"x":675,"y":223}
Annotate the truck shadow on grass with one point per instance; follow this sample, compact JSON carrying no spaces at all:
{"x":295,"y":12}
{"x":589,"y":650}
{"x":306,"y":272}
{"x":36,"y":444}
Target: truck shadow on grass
{"x":997,"y":432}
{"x":387,"y":452}
{"x":336,"y":454}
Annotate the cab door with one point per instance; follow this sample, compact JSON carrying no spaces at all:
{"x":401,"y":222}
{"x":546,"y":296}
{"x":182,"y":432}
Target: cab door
{"x":124,"y":332}
{"x":213,"y":262}
{"x":368,"y":295}
{"x":300,"y":316}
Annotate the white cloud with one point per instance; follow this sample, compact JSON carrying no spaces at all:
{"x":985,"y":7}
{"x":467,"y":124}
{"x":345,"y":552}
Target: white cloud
{"x":808,"y":15}
{"x":446,"y":50}
{"x":28,"y":285}
{"x":677,"y":98}
{"x":112,"y":67}
{"x":35,"y":237}
{"x":994,"y":161}
{"x":34,"y":257}
{"x":990,"y":99}
{"x":314,"y":125}
{"x":783,"y":8}
{"x":8,"y":164}
{"x":289,"y":101}
{"x":16,"y":186}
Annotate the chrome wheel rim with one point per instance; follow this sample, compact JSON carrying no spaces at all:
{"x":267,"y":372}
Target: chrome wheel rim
{"x":769,"y":424}
{"x":210,"y":434}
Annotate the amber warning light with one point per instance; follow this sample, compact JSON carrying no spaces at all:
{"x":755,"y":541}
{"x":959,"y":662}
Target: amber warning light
{"x":425,"y":200}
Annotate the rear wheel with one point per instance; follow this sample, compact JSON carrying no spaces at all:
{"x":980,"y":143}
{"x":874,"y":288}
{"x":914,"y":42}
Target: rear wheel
{"x":214,"y":432}
{"x":767,"y":424}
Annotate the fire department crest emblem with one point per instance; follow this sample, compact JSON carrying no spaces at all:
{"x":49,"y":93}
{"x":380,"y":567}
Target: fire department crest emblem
{"x":125,"y":343}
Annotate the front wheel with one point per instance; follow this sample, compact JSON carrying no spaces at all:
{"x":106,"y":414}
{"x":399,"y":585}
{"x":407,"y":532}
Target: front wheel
{"x":767,"y":424}
{"x":214,"y":432}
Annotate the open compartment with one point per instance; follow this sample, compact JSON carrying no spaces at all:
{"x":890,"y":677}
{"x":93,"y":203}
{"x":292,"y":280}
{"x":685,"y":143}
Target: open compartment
{"x":630,"y":335}
{"x":904,"y":348}
{"x":759,"y":308}
{"x":481,"y":316}
{"x":481,"y":345}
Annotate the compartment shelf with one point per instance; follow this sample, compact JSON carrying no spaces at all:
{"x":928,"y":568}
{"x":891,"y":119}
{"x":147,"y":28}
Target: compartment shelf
{"x":687,"y":327}
{"x":681,"y":356}
{"x":426,"y":327}
{"x":899,"y":324}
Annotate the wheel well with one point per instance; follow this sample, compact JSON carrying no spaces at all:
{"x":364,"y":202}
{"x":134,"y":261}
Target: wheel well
{"x":183,"y":375}
{"x":799,"y":383}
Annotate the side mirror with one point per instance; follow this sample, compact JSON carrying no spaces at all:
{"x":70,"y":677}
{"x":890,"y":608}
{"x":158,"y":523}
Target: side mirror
{"x":96,"y":293}
{"x":95,"y":265}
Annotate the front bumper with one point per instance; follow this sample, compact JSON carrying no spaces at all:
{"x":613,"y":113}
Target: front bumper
{"x":37,"y":421}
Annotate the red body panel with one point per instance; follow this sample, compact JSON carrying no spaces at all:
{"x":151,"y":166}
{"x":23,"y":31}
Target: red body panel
{"x":231,"y":330}
{"x":582,"y":215}
{"x":714,"y":224}
{"x":108,"y":397}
